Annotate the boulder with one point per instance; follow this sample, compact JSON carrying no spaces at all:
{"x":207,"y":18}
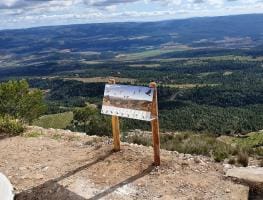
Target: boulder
{"x":249,"y":174}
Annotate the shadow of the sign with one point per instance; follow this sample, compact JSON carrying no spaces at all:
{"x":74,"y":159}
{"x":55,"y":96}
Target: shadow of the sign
{"x":52,"y":190}
{"x":123,"y":183}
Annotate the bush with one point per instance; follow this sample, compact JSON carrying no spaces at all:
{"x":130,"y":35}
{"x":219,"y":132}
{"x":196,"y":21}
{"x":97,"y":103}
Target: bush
{"x":220,"y":155}
{"x":242,"y":158}
{"x":261,"y":163}
{"x":10,"y":126}
{"x":21,"y":102}
{"x":90,"y":121}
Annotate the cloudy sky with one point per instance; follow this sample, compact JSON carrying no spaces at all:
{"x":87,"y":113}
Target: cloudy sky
{"x":30,"y":13}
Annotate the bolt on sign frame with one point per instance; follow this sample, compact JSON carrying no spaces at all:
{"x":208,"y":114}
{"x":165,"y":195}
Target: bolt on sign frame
{"x":132,"y":102}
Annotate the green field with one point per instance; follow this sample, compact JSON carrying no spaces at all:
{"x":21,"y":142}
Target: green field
{"x":57,"y":121}
{"x":149,"y":53}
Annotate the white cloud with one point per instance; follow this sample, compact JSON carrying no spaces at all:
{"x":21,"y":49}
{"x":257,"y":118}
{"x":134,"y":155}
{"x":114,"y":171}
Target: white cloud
{"x":216,"y":2}
{"x":12,"y":3}
{"x":25,"y":13}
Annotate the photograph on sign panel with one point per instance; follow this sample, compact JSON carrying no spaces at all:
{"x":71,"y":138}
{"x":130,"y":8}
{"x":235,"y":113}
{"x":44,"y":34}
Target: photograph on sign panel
{"x":128,"y":101}
{"x":131,"y":97}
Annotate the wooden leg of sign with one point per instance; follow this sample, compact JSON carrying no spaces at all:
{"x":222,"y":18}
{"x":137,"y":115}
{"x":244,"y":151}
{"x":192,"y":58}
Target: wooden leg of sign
{"x":155,"y":127}
{"x":115,"y":128}
{"x":116,"y":133}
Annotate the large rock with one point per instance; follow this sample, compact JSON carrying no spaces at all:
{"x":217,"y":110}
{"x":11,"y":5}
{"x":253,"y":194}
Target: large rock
{"x":254,"y":174}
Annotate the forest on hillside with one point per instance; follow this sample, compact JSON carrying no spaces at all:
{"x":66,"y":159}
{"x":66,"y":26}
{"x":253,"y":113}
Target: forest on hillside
{"x":208,"y":70}
{"x":216,"y":94}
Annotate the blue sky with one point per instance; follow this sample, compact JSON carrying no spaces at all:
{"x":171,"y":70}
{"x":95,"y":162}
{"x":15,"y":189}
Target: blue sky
{"x":32,"y":13}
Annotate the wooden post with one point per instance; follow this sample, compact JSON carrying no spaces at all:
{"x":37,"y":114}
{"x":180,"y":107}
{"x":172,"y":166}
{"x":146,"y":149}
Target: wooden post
{"x":155,"y":126}
{"x":115,"y":127}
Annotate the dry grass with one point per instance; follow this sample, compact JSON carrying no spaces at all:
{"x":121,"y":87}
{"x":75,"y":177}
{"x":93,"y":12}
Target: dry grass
{"x":242,"y":158}
{"x":232,"y":161}
{"x":198,"y":144}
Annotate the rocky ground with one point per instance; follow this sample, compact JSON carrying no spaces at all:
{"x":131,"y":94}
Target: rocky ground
{"x":55,"y":164}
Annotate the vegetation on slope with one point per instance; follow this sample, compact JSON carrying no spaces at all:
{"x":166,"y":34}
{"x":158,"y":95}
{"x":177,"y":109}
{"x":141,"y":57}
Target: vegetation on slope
{"x":18,"y":104}
{"x":90,"y":121}
{"x":56,"y":121}
{"x":10,"y":126}
{"x":215,"y":89}
{"x":203,"y":144}
{"x":18,"y":101}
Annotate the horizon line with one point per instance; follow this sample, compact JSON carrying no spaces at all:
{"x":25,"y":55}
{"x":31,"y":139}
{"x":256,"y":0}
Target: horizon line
{"x":123,"y":22}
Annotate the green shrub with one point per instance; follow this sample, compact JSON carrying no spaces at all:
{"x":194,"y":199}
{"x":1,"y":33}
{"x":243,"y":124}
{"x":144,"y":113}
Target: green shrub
{"x":220,"y":155}
{"x":90,"y":121}
{"x":242,"y":158}
{"x":10,"y":126}
{"x":21,"y":102}
{"x":221,"y":151}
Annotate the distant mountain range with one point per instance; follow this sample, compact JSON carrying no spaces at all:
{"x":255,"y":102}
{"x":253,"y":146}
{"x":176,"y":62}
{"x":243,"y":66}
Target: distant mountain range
{"x":57,"y":49}
{"x":241,"y":31}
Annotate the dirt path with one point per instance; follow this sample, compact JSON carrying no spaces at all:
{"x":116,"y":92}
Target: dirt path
{"x":58,"y":165}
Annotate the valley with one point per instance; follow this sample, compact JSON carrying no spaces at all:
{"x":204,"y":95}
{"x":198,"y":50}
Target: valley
{"x":209,"y":80}
{"x":209,"y":75}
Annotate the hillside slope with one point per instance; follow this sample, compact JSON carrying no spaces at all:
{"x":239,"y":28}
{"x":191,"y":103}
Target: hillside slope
{"x":55,"y":164}
{"x":133,"y":36}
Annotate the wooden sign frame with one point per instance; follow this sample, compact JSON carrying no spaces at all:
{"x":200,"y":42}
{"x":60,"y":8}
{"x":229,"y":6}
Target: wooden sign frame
{"x":154,"y":126}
